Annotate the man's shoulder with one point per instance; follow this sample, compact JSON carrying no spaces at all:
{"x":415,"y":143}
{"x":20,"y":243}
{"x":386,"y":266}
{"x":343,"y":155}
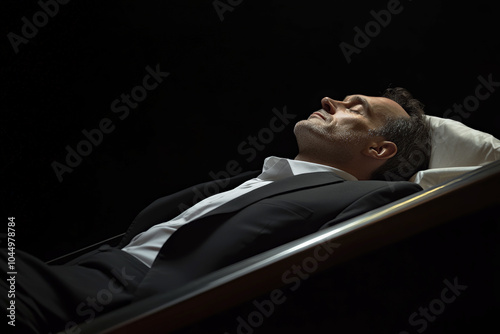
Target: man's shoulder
{"x":391,"y":189}
{"x":395,"y":185}
{"x":401,"y":184}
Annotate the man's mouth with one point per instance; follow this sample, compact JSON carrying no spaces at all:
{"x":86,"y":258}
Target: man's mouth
{"x":318,"y":114}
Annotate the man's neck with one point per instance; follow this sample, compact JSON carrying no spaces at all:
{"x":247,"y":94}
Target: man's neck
{"x":308,"y":158}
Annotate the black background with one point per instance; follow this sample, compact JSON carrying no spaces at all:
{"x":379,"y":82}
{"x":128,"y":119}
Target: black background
{"x":225,"y":79}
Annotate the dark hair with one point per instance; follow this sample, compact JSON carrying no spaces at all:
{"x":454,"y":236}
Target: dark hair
{"x":411,"y":135}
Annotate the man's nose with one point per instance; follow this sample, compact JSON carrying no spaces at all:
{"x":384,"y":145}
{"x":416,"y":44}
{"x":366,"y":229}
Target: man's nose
{"x":329,"y":105}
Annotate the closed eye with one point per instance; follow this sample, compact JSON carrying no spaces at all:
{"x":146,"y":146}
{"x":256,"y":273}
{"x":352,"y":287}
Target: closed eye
{"x":355,"y":101}
{"x":358,"y":110}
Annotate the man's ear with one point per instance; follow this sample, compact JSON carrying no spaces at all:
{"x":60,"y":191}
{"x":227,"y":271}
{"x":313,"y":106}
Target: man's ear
{"x":382,"y":150}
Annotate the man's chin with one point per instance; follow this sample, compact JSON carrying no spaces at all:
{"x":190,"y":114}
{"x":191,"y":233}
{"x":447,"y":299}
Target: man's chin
{"x":307,"y":123}
{"x":302,"y":127}
{"x":312,"y":126}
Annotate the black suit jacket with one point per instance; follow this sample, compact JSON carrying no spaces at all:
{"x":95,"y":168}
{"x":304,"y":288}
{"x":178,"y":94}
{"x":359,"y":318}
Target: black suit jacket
{"x":255,"y":222}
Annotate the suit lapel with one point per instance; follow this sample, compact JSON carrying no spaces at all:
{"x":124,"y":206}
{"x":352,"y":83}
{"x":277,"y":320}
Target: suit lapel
{"x":195,"y":231}
{"x":189,"y":235}
{"x":294,"y":183}
{"x":168,"y":207}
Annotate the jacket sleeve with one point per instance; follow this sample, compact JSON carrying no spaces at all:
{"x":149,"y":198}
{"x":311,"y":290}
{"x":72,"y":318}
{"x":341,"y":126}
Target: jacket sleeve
{"x":387,"y":193}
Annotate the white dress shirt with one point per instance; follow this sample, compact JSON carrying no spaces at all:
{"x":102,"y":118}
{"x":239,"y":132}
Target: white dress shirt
{"x":146,"y":245}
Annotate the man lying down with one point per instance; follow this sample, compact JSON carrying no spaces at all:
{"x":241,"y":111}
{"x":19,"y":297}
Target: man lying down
{"x":349,"y":154}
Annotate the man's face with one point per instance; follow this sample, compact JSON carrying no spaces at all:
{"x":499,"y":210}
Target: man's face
{"x":342,"y":127}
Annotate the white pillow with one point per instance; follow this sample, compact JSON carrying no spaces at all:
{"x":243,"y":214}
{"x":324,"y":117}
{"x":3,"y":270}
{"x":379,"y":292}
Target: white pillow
{"x":456,"y":149}
{"x":430,"y":177}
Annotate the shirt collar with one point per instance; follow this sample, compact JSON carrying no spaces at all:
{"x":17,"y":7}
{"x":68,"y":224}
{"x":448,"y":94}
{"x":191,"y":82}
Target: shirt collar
{"x":276,"y":168}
